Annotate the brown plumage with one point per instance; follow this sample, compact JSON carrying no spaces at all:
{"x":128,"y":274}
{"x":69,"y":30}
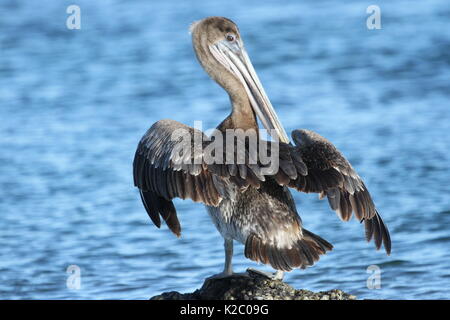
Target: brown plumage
{"x":246,"y":203}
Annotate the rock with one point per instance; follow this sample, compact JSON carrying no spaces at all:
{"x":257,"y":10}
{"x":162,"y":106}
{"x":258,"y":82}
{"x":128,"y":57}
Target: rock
{"x":251,"y":287}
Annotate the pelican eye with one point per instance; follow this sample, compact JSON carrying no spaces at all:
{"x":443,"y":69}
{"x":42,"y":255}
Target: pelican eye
{"x":231,"y":37}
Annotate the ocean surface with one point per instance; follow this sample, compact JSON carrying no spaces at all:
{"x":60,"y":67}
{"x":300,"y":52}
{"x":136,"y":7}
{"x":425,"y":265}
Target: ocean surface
{"x":74,"y":104}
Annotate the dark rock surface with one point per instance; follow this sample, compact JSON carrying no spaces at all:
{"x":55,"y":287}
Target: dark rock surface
{"x":252,"y":287}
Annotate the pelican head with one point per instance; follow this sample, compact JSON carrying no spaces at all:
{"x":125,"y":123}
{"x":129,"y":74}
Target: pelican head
{"x":221,"y":52}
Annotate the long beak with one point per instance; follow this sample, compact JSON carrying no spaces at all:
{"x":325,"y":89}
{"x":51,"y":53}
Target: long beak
{"x":235,"y":59}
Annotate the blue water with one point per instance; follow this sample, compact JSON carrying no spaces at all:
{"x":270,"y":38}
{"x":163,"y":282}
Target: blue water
{"x":74,"y":104}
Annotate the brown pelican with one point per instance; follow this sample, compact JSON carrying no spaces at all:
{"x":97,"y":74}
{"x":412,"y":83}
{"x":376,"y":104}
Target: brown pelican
{"x":245,"y":204}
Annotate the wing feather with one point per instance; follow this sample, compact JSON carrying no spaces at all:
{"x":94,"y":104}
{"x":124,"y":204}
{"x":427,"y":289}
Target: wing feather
{"x":331,"y":175}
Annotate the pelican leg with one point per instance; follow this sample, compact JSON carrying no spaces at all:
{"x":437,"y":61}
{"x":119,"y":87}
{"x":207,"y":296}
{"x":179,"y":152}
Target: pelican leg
{"x":228,"y":267}
{"x":277,"y":275}
{"x":228,"y":245}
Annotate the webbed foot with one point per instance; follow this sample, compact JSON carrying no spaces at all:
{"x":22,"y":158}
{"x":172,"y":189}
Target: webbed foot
{"x":224,"y":275}
{"x":278,"y":275}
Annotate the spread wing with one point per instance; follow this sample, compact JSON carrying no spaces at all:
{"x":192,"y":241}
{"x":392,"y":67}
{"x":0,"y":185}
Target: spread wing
{"x":331,"y":175}
{"x":170,"y":163}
